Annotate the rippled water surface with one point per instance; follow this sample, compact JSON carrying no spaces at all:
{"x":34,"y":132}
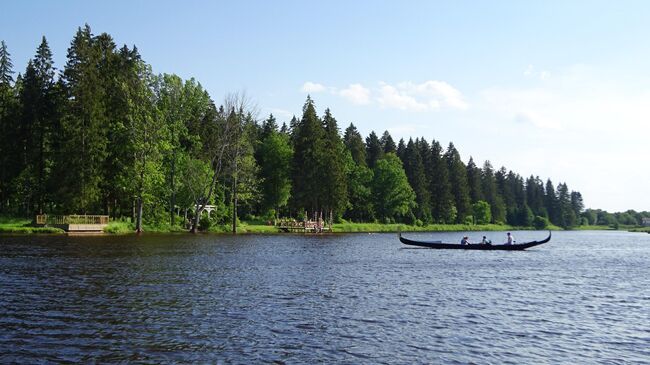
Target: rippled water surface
{"x":362,"y":298}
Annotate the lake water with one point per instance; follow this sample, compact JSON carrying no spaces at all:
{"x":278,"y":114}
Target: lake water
{"x":356,"y":299}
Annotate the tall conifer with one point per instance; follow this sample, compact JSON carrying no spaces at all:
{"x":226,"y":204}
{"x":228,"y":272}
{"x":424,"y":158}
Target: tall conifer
{"x":458,"y":181}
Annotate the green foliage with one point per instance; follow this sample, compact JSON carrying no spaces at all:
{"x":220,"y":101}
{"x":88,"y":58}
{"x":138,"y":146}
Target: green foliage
{"x":307,"y":164}
{"x":334,"y":175}
{"x":274,"y":158}
{"x":355,"y":145}
{"x":482,"y":212}
{"x":360,"y":177}
{"x":374,"y":150}
{"x":205,"y":223}
{"x":415,"y":173}
{"x":458,"y":182}
{"x":119,"y":227}
{"x":392,"y":193}
{"x":469,"y":220}
{"x":110,"y":137}
{"x":443,"y":208}
{"x":540,"y":222}
{"x":474,"y":181}
{"x":10,"y":225}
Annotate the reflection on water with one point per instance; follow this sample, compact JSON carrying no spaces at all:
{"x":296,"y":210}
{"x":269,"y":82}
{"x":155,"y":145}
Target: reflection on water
{"x":583,"y":297}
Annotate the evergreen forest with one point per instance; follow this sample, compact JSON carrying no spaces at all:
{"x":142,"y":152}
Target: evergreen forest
{"x":106,"y":135}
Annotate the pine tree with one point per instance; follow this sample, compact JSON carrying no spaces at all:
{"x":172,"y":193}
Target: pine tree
{"x":577,"y":205}
{"x":8,"y":111}
{"x":354,"y":143}
{"x":474,"y":181}
{"x":417,"y":179}
{"x":401,"y":150}
{"x":387,"y":143}
{"x":489,"y":188}
{"x":6,"y":66}
{"x":39,"y":118}
{"x":85,"y":127}
{"x":458,"y":181}
{"x":566,"y":216}
{"x":269,"y":126}
{"x":551,"y":203}
{"x":334,"y":177}
{"x":308,"y":142}
{"x":442,"y":200}
{"x":374,"y":150}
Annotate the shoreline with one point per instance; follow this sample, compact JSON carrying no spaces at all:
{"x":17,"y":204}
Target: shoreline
{"x":22,"y":227}
{"x":17,"y":227}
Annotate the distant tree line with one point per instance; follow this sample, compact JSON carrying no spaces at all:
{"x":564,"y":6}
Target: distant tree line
{"x":107,"y":135}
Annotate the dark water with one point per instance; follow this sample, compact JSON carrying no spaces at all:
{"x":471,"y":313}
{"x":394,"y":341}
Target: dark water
{"x":582,"y":298}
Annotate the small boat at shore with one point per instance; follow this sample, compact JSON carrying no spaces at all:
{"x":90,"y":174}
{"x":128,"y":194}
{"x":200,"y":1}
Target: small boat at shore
{"x":477,"y":246}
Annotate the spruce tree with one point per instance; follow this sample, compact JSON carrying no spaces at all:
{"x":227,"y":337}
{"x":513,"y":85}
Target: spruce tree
{"x":374,"y":149}
{"x":489,"y":188}
{"x":535,"y":196}
{"x":474,"y":181}
{"x":334,"y":177}
{"x":274,"y":159}
{"x":401,"y":150}
{"x":84,"y":127}
{"x":8,"y":111}
{"x":354,"y":143}
{"x":417,"y":179}
{"x":577,"y":205}
{"x":39,"y":119}
{"x":6,"y":66}
{"x":458,"y":181}
{"x":566,"y":214}
{"x":308,"y":142}
{"x":551,"y":203}
{"x":442,"y":201}
{"x":387,"y":143}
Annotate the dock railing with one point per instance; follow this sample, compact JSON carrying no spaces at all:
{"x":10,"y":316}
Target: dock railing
{"x":71,"y":219}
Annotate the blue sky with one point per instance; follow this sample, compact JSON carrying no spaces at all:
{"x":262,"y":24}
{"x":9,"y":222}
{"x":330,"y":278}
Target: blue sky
{"x":559,"y":89}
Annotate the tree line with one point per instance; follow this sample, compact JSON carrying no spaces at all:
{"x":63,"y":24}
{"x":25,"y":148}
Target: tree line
{"x":107,"y":135}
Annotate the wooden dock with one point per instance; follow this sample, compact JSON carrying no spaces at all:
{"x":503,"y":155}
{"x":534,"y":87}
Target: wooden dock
{"x":317,"y":225}
{"x":74,"y":223}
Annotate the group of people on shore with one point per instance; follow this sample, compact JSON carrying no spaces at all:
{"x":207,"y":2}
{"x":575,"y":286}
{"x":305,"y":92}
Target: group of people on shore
{"x":509,"y":240}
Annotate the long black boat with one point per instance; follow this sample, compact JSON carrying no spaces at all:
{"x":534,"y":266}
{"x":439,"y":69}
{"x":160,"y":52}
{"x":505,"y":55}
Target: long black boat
{"x":477,"y":246}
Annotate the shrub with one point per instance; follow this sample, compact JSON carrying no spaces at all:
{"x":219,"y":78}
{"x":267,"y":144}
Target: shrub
{"x":540,"y":222}
{"x":204,"y":223}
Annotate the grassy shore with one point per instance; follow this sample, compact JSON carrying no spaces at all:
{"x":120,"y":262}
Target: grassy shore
{"x":23,"y":226}
{"x":640,"y":229}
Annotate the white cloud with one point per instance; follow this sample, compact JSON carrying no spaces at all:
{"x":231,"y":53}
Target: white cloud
{"x":312,"y":87}
{"x":532,"y":72}
{"x":281,"y":113}
{"x":356,"y":93}
{"x":391,"y":97}
{"x":427,"y":96}
{"x":537,"y":120}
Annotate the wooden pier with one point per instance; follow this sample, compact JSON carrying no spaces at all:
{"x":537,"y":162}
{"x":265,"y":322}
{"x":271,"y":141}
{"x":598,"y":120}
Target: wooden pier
{"x":74,"y":223}
{"x":316,"y":225}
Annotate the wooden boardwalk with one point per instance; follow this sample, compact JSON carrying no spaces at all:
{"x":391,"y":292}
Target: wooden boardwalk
{"x":308,"y":226}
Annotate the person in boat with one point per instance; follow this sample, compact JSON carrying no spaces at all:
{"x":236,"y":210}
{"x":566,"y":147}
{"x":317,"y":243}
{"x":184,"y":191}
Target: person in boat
{"x":486,"y":241}
{"x":509,"y":239}
{"x":465,"y":241}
